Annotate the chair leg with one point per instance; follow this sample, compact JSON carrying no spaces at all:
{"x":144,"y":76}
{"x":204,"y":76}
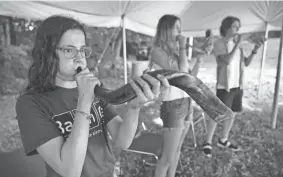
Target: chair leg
{"x":204,"y":122}
{"x":151,"y":164}
{"x":194,"y":135}
{"x":143,"y":126}
{"x":181,"y":166}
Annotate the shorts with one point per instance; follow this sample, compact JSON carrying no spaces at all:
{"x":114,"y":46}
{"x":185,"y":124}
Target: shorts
{"x":232,"y":99}
{"x":173,"y":113}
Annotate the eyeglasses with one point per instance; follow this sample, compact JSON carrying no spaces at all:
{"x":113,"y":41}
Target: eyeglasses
{"x":72,"y":52}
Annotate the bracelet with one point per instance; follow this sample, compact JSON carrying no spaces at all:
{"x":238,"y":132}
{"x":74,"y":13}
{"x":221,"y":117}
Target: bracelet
{"x":88,"y":116}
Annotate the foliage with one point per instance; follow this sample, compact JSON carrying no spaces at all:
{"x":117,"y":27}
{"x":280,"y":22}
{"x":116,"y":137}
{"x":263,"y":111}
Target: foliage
{"x":14,"y":63}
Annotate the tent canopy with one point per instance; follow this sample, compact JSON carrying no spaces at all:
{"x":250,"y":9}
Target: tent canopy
{"x":142,"y":16}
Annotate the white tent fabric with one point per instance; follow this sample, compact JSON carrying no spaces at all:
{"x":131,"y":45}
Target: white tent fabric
{"x":254,"y":15}
{"x":40,"y":10}
{"x":142,"y":16}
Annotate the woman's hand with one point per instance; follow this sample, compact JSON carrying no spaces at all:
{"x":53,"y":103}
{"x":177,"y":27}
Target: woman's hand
{"x":208,"y":45}
{"x":182,"y":41}
{"x":86,"y":82}
{"x":258,"y":43}
{"x":206,"y":48}
{"x":149,"y":91}
{"x":237,"y":39}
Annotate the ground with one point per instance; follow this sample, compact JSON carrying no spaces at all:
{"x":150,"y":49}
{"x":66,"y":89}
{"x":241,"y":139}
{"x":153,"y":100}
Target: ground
{"x":263,"y":152}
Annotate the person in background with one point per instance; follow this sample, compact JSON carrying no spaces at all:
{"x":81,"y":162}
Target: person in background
{"x":143,"y":51}
{"x":194,"y":65}
{"x":61,"y":119}
{"x":231,"y":64}
{"x":169,"y":52}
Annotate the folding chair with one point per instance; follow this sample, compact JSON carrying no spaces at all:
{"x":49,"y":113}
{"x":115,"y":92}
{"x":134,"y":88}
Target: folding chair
{"x":198,"y":116}
{"x":149,"y":144}
{"x":17,"y":164}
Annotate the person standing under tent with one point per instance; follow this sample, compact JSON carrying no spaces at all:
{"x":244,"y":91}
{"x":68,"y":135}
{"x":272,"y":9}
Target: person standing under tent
{"x":169,"y":52}
{"x":194,"y":66}
{"x":231,"y":64}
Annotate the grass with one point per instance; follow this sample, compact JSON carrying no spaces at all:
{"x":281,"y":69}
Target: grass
{"x":263,"y":152}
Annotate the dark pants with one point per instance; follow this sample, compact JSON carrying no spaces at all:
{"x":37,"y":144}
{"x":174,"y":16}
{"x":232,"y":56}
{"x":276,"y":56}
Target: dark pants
{"x":232,"y":99}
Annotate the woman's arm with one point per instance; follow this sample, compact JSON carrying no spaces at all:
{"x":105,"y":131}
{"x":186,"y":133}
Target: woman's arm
{"x":122,"y":128}
{"x":253,"y":53}
{"x":40,"y":133}
{"x":202,"y":51}
{"x":183,"y":64}
{"x":67,"y":157}
{"x":249,"y":59}
{"x":195,"y":70}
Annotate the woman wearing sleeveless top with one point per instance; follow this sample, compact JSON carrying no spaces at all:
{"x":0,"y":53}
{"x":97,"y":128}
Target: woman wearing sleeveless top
{"x":169,"y":52}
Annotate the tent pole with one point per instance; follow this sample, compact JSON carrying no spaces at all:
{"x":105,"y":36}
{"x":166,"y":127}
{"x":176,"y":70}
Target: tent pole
{"x":277,"y":83}
{"x":7,"y":35}
{"x":124,"y":50}
{"x":263,"y":57}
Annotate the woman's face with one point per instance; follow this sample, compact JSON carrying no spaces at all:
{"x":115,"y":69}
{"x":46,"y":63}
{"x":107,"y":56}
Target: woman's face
{"x":233,"y":30}
{"x":176,"y":30}
{"x":70,"y":58}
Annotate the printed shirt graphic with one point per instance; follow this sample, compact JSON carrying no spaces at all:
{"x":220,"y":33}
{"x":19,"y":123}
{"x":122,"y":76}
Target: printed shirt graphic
{"x":65,"y":120}
{"x":49,"y":115}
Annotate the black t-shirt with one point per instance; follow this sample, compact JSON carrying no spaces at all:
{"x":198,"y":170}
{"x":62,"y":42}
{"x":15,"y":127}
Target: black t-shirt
{"x":42,"y":117}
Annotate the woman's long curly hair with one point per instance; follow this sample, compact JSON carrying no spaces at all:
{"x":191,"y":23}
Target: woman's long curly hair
{"x":163,"y":34}
{"x":43,"y":70}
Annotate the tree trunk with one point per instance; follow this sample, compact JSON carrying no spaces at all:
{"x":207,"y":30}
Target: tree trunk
{"x":118,"y":45}
{"x":7,"y":36}
{"x":13,"y":36}
{"x":117,"y":50}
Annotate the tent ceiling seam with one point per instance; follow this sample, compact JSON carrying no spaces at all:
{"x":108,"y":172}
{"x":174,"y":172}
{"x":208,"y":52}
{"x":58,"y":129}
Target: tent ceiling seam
{"x":72,"y":10}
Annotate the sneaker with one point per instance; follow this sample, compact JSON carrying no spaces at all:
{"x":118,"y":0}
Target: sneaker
{"x":207,"y":150}
{"x":228,"y":144}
